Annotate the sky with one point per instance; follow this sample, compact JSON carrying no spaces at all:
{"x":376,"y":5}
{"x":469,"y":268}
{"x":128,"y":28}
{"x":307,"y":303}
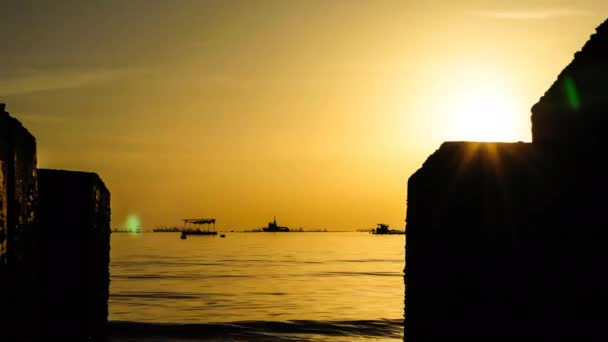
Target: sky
{"x":316,"y":112}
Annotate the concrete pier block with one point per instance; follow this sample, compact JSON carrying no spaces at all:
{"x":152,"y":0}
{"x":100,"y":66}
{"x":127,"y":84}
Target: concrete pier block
{"x":19,"y":235}
{"x":507,"y":241}
{"x":75,"y":221}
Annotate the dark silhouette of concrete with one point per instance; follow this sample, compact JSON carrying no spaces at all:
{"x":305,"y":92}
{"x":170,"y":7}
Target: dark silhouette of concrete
{"x":509,"y":241}
{"x":573,"y":109}
{"x":19,"y":239}
{"x":54,"y":246}
{"x":75,"y":217}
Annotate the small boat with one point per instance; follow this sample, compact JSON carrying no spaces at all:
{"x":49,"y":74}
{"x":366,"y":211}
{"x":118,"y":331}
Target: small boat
{"x":382,"y":229}
{"x":223,"y":235}
{"x":188,"y":230}
{"x":197,"y":232}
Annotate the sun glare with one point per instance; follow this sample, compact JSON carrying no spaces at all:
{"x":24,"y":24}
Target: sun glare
{"x":478,"y":108}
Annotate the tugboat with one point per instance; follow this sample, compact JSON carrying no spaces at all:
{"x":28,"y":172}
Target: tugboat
{"x":382,"y":229}
{"x":273,"y":227}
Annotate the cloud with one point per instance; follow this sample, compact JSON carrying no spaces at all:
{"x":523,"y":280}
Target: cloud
{"x":35,"y":81}
{"x":537,"y":14}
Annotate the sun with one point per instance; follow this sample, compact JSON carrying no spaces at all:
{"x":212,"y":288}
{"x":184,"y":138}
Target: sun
{"x":483,"y":115}
{"x":480,"y":107}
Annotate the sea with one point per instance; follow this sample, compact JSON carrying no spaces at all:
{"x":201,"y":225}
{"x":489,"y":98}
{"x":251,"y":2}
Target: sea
{"x":297,"y":286}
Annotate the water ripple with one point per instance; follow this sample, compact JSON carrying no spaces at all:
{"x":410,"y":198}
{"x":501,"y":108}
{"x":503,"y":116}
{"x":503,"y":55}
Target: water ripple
{"x":296,"y":330}
{"x":176,"y":276}
{"x":346,"y":273}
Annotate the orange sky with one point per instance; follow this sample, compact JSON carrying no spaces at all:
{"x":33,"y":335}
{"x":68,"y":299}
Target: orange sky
{"x":314,"y":111}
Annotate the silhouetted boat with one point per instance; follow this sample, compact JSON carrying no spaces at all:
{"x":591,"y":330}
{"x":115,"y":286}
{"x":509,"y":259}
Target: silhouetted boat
{"x":197,"y":232}
{"x":273,"y":227}
{"x":190,"y":231}
{"x":132,"y":231}
{"x":382,"y":229}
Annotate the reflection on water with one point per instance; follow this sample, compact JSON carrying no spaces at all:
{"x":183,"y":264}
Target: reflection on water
{"x":327,"y":281}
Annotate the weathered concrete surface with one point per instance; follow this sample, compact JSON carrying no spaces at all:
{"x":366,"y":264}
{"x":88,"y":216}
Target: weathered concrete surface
{"x":19,"y":234}
{"x":75,"y":216}
{"x":506,"y":241}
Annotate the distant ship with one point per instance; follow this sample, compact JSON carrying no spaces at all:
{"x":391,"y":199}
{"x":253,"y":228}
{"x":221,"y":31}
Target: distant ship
{"x":273,"y":227}
{"x":382,"y":229}
{"x":166,"y":230}
{"x":132,"y":231}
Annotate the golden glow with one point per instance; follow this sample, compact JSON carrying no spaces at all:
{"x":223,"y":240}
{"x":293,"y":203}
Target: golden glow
{"x":480,"y":107}
{"x":242,"y":110}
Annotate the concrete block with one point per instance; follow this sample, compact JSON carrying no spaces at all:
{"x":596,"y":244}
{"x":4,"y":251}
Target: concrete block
{"x":75,"y":221}
{"x":19,"y":235}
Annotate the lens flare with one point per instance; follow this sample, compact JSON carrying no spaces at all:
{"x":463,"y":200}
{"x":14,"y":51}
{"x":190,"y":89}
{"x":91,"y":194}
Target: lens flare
{"x":133,"y":224}
{"x":572,"y":94}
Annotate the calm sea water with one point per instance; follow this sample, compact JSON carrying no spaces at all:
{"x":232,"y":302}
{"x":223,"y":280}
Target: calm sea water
{"x":329,"y":286}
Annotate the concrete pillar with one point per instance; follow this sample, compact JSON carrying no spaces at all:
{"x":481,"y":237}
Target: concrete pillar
{"x":75,"y":216}
{"x":19,"y":235}
{"x":507,"y":241}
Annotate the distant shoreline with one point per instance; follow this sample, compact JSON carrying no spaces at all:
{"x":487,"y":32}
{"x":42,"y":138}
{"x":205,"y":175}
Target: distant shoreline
{"x":252,"y":231}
